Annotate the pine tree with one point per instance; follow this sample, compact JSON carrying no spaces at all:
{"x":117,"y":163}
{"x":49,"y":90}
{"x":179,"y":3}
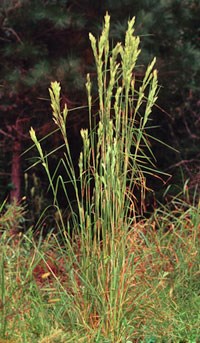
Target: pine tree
{"x":42,"y":41}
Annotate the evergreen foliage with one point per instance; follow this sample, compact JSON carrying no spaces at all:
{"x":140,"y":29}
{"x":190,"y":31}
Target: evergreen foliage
{"x":42,"y":41}
{"x":170,"y":31}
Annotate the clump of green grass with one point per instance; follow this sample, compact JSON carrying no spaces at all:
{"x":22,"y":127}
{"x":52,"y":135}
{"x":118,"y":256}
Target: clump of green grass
{"x":113,"y":158}
{"x":113,"y":277}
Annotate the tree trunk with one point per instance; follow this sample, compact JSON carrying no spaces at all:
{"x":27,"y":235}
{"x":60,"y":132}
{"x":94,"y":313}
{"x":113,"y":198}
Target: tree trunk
{"x":16,"y":172}
{"x":15,"y":193}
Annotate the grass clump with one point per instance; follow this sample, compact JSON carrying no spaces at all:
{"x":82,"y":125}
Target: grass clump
{"x":114,"y":161}
{"x":112,"y":277}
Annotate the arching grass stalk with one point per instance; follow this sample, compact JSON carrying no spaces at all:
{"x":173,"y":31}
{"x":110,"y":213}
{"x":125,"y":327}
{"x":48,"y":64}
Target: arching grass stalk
{"x":112,"y":167}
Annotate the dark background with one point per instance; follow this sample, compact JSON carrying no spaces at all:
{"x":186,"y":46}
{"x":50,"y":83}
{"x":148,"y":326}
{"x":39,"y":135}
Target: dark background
{"x":42,"y":41}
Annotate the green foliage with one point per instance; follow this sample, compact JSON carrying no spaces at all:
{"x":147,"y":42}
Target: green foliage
{"x":46,"y":40}
{"x":12,"y":218}
{"x":33,"y":31}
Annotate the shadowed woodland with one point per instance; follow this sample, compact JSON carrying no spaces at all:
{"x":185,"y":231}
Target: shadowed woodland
{"x":42,"y":41}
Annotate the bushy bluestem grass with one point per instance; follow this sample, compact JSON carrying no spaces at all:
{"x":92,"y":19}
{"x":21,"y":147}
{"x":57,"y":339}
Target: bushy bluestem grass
{"x":112,"y":167}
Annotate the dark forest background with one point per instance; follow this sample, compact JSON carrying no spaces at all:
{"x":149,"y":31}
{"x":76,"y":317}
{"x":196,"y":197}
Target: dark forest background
{"x":43,"y":41}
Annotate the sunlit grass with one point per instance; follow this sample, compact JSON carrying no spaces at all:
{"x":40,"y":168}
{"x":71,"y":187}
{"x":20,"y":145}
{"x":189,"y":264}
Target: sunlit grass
{"x":44,"y":295}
